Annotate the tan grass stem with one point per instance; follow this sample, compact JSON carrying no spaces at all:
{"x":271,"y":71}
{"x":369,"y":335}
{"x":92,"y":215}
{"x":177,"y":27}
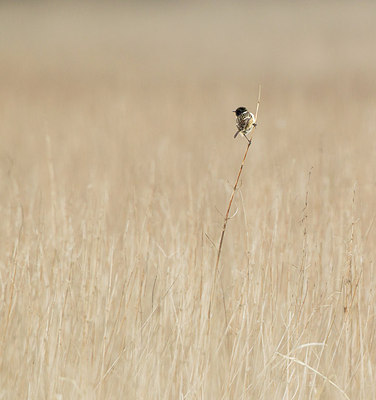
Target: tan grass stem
{"x":226,"y":219}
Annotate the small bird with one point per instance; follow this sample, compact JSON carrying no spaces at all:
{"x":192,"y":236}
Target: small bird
{"x":245,"y":121}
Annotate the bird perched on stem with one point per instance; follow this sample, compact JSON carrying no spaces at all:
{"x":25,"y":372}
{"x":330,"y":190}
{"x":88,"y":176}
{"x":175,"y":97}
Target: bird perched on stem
{"x":245,"y":121}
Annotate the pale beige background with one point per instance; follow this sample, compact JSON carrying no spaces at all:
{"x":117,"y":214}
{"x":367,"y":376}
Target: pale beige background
{"x":117,"y":157}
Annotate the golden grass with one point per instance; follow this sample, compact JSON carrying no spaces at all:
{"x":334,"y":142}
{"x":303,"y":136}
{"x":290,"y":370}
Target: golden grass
{"x":117,"y":159}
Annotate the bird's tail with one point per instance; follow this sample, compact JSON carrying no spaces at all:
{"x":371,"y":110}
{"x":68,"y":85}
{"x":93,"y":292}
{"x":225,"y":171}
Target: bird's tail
{"x":236,"y":134}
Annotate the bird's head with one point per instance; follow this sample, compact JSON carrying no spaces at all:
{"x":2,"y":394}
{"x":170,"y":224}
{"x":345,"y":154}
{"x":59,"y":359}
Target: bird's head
{"x":240,"y":110}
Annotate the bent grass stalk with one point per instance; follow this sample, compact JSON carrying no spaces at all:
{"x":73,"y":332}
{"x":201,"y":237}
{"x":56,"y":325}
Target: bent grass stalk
{"x":226,"y":219}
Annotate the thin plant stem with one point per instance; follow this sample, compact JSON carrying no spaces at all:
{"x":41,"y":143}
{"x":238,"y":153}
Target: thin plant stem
{"x":229,"y":207}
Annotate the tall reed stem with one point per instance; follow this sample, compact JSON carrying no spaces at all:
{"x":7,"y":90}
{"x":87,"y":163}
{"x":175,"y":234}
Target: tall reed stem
{"x":229,"y":207}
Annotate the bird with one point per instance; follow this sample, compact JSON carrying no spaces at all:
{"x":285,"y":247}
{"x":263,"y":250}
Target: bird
{"x":245,"y":121}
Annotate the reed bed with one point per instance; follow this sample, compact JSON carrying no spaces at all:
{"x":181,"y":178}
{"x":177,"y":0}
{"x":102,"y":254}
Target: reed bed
{"x":117,"y":162}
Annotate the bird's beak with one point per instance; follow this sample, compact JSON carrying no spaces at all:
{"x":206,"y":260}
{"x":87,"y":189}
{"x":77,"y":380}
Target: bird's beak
{"x":234,"y":111}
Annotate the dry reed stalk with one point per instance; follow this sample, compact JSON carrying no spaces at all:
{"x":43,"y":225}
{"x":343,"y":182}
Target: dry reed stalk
{"x":229,"y":207}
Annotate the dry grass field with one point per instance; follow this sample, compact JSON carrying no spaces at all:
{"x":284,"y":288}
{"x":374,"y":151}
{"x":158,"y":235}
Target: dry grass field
{"x":117,"y":161}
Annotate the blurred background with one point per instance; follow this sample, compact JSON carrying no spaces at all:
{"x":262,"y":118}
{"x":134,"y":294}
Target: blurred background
{"x":117,"y":159}
{"x":118,"y":83}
